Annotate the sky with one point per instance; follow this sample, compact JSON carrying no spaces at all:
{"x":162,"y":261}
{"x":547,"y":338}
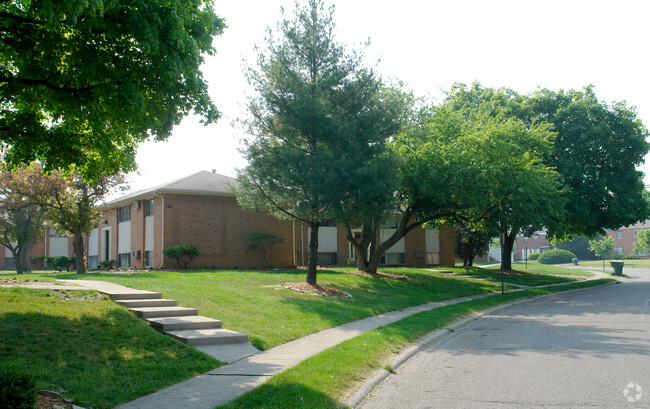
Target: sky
{"x":429,"y":45}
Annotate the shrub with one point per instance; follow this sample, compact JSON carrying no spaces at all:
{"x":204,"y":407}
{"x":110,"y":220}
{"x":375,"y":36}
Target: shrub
{"x":182,"y":253}
{"x":107,"y":264}
{"x":39,"y":262}
{"x":60,"y":262}
{"x":533,"y":256}
{"x":630,"y":257}
{"x":16,"y":390}
{"x":263,"y":241}
{"x":556,"y":257}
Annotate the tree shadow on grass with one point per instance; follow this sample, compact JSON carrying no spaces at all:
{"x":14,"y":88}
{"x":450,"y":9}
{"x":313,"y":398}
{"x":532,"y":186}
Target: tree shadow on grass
{"x":372,"y":296}
{"x":101,"y":357}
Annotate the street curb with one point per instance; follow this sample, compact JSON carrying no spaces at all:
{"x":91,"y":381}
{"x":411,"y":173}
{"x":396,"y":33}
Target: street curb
{"x":362,"y":393}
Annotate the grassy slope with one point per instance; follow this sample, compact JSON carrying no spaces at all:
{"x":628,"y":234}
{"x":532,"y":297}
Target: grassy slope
{"x":326,"y":379}
{"x":252,"y":302}
{"x":93,"y":349}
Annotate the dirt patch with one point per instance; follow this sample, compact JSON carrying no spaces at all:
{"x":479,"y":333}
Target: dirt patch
{"x":316,"y":290}
{"x":50,"y":400}
{"x":384,"y":275}
{"x":512,"y":273}
{"x":77,"y":296}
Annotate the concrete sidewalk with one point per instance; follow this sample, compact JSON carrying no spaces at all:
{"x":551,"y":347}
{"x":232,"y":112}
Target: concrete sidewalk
{"x":230,"y":381}
{"x":248,"y":369}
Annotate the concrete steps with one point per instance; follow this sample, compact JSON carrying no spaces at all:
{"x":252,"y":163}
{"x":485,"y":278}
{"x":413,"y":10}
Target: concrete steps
{"x":155,"y":312}
{"x":208,"y":336}
{"x":181,"y":323}
{"x":164,"y":324}
{"x":150,"y":302}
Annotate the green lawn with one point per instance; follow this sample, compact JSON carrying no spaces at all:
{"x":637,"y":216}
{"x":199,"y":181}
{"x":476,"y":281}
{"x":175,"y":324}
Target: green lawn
{"x":530,"y":280}
{"x":253,"y":302}
{"x":534,"y":267}
{"x":102,"y":356}
{"x":627,"y":263}
{"x":93,"y":350}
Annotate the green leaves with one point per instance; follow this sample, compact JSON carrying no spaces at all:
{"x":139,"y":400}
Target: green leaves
{"x":83,"y":82}
{"x":642,"y":243}
{"x":602,"y":247}
{"x":597,"y":150}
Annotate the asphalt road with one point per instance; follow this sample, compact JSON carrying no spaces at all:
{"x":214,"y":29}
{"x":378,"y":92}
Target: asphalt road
{"x":586,"y":349}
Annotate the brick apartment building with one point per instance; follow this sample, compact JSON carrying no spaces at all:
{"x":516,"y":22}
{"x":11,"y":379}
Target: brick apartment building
{"x":199,"y":210}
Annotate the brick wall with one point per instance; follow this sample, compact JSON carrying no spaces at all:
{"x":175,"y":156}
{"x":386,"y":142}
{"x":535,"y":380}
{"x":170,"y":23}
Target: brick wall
{"x":218,"y":226}
{"x":415,"y":247}
{"x":447,"y":251}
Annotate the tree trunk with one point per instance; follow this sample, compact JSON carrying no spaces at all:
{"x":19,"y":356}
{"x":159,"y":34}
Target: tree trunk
{"x":17,"y":261}
{"x":26,"y":257}
{"x":378,"y":251}
{"x":506,"y":255}
{"x":360,"y":247}
{"x":78,"y":249}
{"x":313,"y":253}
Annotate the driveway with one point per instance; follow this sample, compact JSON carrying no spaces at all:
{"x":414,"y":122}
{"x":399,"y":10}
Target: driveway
{"x":585,"y":349}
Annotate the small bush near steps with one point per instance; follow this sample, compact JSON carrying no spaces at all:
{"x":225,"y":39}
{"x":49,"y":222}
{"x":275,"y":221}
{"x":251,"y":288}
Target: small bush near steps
{"x":16,"y":390}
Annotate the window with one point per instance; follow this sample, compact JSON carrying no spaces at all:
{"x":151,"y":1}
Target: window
{"x":124,"y":260}
{"x":392,"y":259}
{"x":148,"y":258}
{"x":92,"y":262}
{"x":619,"y":235}
{"x":619,"y":251}
{"x":535,"y":238}
{"x":390,"y":223}
{"x":635,"y":232}
{"x":148,"y":207}
{"x":124,"y":214}
{"x":525,"y":240}
{"x":327,"y":259}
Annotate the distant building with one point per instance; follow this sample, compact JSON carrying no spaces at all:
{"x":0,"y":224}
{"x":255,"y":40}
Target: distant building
{"x":624,"y":239}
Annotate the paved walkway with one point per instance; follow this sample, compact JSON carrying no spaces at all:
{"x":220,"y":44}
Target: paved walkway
{"x":243,"y":374}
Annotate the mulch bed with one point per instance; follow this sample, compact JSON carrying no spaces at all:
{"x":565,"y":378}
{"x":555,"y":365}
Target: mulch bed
{"x":316,"y":290}
{"x":384,"y":275}
{"x":513,"y":273}
{"x":50,"y":400}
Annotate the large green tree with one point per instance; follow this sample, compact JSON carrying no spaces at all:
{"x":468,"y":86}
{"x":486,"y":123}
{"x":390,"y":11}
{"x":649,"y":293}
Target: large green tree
{"x":475,"y":159}
{"x":69,"y":203}
{"x":524,"y":193}
{"x":597,"y":150}
{"x":320,"y":121}
{"x":83,"y":82}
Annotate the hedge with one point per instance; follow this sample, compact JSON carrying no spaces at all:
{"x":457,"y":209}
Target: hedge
{"x":556,"y":256}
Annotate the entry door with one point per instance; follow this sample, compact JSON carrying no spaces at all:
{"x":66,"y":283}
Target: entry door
{"x":106,"y":244}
